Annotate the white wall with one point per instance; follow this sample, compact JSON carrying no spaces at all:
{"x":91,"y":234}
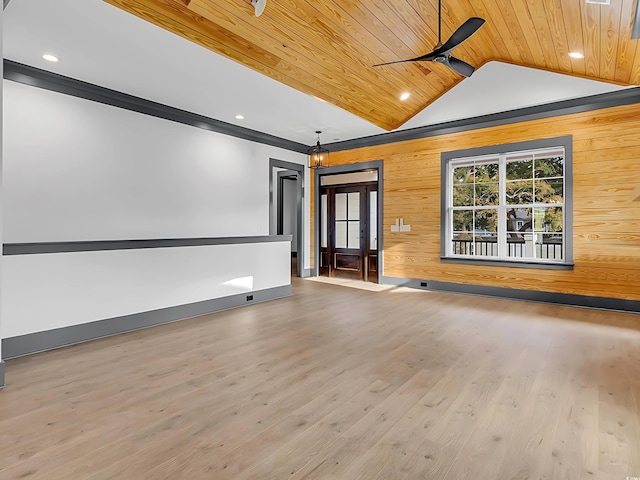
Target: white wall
{"x":42,"y":292}
{"x":79,"y":170}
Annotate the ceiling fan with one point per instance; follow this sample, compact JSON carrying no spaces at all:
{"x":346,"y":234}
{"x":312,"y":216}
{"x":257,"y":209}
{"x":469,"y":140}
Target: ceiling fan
{"x":442,"y":53}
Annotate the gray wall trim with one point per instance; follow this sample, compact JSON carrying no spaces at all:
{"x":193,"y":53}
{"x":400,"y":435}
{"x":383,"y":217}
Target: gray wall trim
{"x":349,"y":168}
{"x":307,"y":272}
{"x":507,"y":263}
{"x":61,"y":337}
{"x":352,"y":167}
{"x":565,"y":107}
{"x":2,"y":370}
{"x":635,"y":33}
{"x":564,"y":141}
{"x":99,"y":245}
{"x":605,"y":303}
{"x":299,"y":169}
{"x":283,"y":174}
{"x":36,"y":77}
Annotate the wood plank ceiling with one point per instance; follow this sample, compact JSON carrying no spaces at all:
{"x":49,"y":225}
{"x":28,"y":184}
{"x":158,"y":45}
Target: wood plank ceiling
{"x":327,"y":48}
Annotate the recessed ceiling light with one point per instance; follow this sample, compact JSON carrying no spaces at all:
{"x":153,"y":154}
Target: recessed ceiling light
{"x":576,"y":55}
{"x":239,"y":117}
{"x":404,"y":96}
{"x":50,"y":58}
{"x":600,"y":2}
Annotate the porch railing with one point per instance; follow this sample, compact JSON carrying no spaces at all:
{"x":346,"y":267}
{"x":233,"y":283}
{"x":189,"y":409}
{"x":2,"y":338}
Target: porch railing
{"x":549,"y":249}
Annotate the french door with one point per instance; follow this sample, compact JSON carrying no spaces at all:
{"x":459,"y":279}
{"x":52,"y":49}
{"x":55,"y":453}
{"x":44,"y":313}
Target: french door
{"x":348,"y":232}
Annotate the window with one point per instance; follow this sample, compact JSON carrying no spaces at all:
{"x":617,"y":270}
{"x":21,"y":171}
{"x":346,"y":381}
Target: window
{"x":509,"y":204}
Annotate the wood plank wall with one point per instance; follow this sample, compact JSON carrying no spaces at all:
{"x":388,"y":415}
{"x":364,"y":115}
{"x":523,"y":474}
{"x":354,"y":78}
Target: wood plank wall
{"x":606,"y":160}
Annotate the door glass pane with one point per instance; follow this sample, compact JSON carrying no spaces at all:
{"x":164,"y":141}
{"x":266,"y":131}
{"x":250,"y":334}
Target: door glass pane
{"x":373,"y":220}
{"x":341,"y":234}
{"x":341,"y":206}
{"x":323,"y":221}
{"x":354,"y":234}
{"x":354,"y":206}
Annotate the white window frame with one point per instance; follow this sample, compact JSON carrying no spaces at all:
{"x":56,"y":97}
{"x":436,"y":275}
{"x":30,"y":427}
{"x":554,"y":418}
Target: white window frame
{"x":501,"y":153}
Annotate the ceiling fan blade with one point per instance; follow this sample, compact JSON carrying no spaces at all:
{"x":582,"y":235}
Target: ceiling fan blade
{"x":463,"y":68}
{"x":463,"y":32}
{"x":427,"y":57}
{"x":391,"y":63}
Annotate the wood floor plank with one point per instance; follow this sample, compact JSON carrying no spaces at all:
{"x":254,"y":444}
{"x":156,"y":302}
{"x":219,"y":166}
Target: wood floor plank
{"x":337,"y":382}
{"x":619,"y":435}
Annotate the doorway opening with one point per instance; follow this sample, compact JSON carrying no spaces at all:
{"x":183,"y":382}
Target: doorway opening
{"x":286,"y":206}
{"x":287,"y":219}
{"x":349,"y":222}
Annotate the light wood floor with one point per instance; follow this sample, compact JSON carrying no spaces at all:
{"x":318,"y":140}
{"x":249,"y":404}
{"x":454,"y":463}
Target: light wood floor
{"x":337,"y":383}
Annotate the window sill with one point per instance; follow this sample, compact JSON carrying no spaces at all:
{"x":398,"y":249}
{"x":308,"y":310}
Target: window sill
{"x":506,"y":263}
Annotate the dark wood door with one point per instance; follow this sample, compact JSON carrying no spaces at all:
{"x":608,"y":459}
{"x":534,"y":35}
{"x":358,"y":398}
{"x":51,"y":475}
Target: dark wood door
{"x":348,"y":232}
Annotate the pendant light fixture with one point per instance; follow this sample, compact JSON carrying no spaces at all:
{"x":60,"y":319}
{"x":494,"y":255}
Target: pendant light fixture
{"x":318,"y":156}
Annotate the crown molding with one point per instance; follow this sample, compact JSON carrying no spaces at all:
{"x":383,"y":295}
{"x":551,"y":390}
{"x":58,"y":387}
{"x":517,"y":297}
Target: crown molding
{"x":565,"y":107}
{"x":36,"y":77}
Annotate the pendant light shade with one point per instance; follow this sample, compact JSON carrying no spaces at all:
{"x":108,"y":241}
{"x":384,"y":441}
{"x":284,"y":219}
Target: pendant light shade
{"x":318,"y":156}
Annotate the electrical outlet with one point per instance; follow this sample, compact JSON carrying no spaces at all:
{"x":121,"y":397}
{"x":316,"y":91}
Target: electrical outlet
{"x":249,"y":298}
{"x":423,"y":284}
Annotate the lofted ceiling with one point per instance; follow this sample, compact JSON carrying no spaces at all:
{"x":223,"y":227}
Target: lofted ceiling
{"x":326,"y":49}
{"x":107,"y":46}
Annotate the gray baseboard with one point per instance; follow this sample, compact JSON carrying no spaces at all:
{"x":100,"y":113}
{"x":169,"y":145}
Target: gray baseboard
{"x":1,"y":374}
{"x":306,"y":272}
{"x":605,"y":303}
{"x":61,"y":337}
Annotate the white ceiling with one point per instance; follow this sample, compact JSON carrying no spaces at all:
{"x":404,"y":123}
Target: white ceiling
{"x":101,"y":44}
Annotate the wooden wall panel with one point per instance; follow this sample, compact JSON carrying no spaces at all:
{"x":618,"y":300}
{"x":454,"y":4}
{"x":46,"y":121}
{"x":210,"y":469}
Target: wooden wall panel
{"x":606,"y":219}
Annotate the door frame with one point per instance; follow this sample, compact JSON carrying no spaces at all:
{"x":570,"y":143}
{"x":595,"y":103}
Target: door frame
{"x":283,"y":175}
{"x":351,"y":168}
{"x":273,"y":227}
